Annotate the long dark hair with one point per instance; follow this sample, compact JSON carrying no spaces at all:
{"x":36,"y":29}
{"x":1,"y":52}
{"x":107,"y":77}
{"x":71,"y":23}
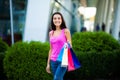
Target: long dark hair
{"x":62,"y":26}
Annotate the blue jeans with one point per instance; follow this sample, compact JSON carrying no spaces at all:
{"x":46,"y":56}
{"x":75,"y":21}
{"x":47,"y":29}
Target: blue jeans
{"x":57,"y":71}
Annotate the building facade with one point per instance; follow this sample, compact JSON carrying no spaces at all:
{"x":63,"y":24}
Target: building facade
{"x":29,"y":20}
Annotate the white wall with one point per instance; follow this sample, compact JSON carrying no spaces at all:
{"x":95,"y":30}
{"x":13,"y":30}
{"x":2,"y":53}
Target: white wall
{"x":37,"y":16}
{"x":67,"y":17}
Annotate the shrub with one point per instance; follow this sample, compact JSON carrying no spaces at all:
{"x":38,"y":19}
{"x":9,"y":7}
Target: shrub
{"x":27,"y":61}
{"x":3,"y":48}
{"x":94,"y":41}
{"x":98,"y":53}
{"x":99,"y":65}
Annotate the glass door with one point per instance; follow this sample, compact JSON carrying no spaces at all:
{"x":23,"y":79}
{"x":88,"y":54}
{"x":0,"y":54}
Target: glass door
{"x":19,"y":14}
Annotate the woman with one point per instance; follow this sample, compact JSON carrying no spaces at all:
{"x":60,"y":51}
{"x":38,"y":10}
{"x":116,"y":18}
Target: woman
{"x":58,"y":36}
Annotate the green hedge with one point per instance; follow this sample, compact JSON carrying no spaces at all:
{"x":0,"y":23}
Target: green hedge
{"x":99,"y":54}
{"x":99,"y":65}
{"x":94,"y":41}
{"x":27,"y":61}
{"x":3,"y":48}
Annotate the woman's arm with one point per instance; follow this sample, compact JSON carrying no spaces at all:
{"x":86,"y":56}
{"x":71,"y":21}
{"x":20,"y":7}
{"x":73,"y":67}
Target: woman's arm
{"x":49,"y":54}
{"x":48,"y":62}
{"x":68,"y":36}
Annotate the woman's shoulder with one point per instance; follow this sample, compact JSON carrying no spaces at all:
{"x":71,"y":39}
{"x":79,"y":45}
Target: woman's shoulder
{"x":66,"y":30}
{"x":50,"y":32}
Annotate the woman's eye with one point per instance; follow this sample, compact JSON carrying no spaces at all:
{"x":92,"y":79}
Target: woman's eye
{"x":59,"y":18}
{"x":54,"y":18}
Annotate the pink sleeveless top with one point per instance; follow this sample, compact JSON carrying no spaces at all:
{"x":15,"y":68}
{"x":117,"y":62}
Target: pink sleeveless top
{"x":57,"y":43}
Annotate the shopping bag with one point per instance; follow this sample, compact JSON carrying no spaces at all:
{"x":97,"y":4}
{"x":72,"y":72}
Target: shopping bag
{"x":75,"y":59}
{"x":73,"y":62}
{"x":70,"y":61}
{"x":68,"y":58}
{"x":59,"y":58}
{"x":60,"y":54}
{"x":64,"y":62}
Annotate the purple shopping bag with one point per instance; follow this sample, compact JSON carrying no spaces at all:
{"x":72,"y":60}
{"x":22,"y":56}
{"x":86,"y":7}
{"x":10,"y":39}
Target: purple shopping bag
{"x":75,"y":59}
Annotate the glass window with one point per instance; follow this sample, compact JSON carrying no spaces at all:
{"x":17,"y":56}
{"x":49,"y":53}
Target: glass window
{"x":19,"y":14}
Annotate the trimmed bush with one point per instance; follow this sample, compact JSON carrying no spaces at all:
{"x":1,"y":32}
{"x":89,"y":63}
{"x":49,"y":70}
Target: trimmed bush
{"x":27,"y":61}
{"x":99,"y":65}
{"x":99,"y":54}
{"x":3,"y":48}
{"x":94,"y":42}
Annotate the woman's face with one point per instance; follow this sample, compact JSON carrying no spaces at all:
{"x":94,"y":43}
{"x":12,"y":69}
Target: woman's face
{"x":57,"y":20}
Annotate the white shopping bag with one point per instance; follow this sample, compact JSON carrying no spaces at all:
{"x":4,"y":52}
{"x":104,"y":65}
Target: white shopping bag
{"x":64,"y":62}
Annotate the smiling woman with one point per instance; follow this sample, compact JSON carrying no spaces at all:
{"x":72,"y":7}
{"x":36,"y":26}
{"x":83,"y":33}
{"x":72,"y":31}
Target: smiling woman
{"x":58,"y":36}
{"x":57,"y":20}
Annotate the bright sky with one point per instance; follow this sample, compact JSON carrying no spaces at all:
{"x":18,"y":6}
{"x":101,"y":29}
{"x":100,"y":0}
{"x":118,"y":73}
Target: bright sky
{"x":87,"y":11}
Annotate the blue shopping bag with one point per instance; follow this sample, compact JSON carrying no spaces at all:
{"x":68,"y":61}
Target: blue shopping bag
{"x":73,"y":62}
{"x":75,"y":59}
{"x":61,"y":53}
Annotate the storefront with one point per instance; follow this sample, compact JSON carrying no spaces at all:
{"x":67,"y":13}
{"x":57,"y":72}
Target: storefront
{"x":12,"y":13}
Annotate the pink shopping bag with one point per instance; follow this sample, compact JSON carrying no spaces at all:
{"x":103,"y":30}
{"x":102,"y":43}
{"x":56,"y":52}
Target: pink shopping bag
{"x":70,"y":61}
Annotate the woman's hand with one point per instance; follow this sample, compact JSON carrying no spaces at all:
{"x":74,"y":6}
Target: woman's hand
{"x":48,"y":69}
